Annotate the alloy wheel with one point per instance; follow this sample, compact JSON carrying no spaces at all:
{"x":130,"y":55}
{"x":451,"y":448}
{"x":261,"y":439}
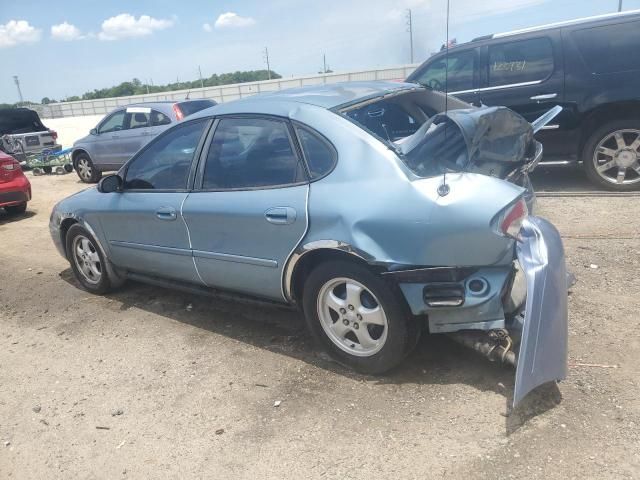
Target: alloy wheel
{"x":352,"y":317}
{"x":87,"y":259}
{"x":617,"y":158}
{"x":84,"y":169}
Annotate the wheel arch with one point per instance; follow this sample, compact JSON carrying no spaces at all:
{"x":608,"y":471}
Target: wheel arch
{"x":602,"y":114}
{"x":76,"y":153}
{"x":308,"y":256}
{"x":65,"y":225}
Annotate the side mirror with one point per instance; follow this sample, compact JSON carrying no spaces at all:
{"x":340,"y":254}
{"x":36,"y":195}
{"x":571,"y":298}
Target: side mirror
{"x":110,"y":184}
{"x":93,"y":131}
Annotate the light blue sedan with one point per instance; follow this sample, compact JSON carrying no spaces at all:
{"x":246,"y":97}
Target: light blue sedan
{"x":362,"y":203}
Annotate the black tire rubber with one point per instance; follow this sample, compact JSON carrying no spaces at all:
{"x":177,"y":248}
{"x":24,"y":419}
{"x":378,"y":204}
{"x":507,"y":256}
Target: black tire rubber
{"x":403,"y":329}
{"x":96,"y":175}
{"x":68,"y":167}
{"x":589,"y":148}
{"x":16,"y":209}
{"x":106,"y":284}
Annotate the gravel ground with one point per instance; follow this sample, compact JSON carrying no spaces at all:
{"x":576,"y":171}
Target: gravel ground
{"x":147,"y":383}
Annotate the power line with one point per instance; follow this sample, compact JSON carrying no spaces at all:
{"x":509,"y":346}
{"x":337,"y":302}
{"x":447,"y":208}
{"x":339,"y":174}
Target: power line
{"x":410,"y":30}
{"x":266,"y":59}
{"x":17,"y":80}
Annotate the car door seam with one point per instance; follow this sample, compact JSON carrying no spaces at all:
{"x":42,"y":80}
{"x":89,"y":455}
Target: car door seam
{"x":193,"y":258}
{"x":295,"y":247}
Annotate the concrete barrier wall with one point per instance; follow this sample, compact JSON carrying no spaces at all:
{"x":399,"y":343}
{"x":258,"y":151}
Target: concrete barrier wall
{"x":222,"y":93}
{"x":71,"y":129}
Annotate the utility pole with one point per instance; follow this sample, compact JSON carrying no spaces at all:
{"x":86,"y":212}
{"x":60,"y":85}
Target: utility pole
{"x":410,"y":30}
{"x":201,"y":81}
{"x":619,"y":5}
{"x":17,"y":80}
{"x":324,"y":63}
{"x":266,"y":59}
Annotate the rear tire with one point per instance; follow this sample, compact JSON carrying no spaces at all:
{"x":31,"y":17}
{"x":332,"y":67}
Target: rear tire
{"x":16,"y":209}
{"x":359,"y":319}
{"x":87,"y":261}
{"x":612,"y":154}
{"x":86,"y":170}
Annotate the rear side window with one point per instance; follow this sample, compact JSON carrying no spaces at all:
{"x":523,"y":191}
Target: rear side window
{"x":193,"y":106}
{"x":452,"y":73}
{"x":519,"y":62}
{"x":611,"y":48}
{"x":320,"y":155}
{"x":251,"y":153}
{"x":165,"y":164}
{"x":158,"y":118}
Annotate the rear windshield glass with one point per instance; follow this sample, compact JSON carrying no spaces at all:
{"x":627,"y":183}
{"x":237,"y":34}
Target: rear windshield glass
{"x":388,"y":120}
{"x":193,"y":106}
{"x":13,"y":121}
{"x":610,"y":49}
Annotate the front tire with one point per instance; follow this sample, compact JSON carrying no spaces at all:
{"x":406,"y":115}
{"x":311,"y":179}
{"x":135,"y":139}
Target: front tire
{"x":87,"y":261}
{"x":86,"y":170}
{"x":357,"y":317}
{"x":16,"y":209}
{"x":611,"y":156}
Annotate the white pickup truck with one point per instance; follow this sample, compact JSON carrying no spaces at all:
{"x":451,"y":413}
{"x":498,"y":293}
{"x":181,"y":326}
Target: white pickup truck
{"x":22,"y":133}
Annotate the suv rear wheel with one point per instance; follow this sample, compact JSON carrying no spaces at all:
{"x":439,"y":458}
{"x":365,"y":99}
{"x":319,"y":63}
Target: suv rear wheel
{"x":357,"y":317}
{"x":611,"y":155}
{"x":86,"y":170}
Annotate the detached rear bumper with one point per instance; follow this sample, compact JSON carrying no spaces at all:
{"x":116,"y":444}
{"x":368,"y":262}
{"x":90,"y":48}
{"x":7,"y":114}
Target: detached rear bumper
{"x":543,"y":349}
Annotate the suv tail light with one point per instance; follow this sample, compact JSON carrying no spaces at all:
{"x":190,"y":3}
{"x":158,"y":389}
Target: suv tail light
{"x":509,"y":221}
{"x":178,"y":112}
{"x":54,"y":134}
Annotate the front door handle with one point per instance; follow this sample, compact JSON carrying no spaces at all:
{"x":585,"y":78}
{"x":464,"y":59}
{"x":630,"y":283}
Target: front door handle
{"x":546,"y":96}
{"x":281,"y":215}
{"x":166,"y":213}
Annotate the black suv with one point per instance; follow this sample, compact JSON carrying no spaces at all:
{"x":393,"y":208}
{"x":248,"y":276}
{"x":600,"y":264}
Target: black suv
{"x":590,"y":67}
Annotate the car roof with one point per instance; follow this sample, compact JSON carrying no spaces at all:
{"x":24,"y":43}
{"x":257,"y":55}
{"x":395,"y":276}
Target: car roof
{"x":329,"y":96}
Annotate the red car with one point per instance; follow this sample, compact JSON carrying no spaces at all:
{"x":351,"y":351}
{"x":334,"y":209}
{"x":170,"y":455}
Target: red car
{"x":15,"y":189}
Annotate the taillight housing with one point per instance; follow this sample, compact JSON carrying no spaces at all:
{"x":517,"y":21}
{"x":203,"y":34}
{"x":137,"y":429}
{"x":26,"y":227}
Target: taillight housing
{"x":54,"y":134}
{"x":509,"y":221}
{"x":10,"y":165}
{"x":178,"y":112}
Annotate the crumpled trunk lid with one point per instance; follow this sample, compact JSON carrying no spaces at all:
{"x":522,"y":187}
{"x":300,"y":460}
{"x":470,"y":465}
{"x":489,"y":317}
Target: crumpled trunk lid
{"x":489,"y":140}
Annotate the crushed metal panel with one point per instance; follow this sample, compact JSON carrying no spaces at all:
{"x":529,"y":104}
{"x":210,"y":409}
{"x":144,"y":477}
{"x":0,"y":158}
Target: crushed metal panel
{"x":543,"y":348}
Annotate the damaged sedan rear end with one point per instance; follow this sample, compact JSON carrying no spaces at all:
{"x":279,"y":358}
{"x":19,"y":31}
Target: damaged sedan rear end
{"x":376,"y":207}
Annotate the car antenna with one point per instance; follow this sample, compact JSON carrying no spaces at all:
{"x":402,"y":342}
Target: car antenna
{"x":188,"y":93}
{"x":443,"y":188}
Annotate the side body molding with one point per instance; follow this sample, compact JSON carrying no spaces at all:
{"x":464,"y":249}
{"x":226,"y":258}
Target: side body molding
{"x":302,"y":250}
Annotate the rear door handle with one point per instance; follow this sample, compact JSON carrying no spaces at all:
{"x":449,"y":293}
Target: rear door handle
{"x":166,"y":213}
{"x":280,"y":215}
{"x":546,"y":96}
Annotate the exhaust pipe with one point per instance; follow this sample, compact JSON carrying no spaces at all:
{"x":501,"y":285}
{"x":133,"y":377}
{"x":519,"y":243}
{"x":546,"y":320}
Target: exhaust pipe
{"x":493,"y":344}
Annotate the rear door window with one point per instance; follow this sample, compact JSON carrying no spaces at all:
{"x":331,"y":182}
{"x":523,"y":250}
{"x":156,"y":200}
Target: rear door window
{"x":453,"y":73}
{"x":521,"y":61}
{"x":251,"y":153}
{"x":610,"y":48}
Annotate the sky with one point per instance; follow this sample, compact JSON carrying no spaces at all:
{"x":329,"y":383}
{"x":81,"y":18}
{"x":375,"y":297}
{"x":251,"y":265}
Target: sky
{"x":68,"y":47}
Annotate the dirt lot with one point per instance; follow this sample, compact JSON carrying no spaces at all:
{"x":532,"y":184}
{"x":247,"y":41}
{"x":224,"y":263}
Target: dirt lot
{"x":147,"y":383}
